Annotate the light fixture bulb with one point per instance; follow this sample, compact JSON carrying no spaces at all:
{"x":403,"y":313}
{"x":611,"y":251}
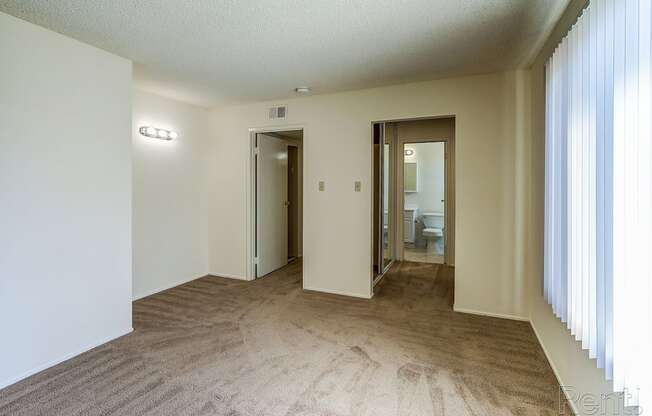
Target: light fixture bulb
{"x":302,"y":90}
{"x":409,"y":152}
{"x":156,"y":133}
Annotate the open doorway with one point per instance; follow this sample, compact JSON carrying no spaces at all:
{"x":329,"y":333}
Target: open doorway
{"x":424,"y":190}
{"x":413,"y":193}
{"x":277,"y":202}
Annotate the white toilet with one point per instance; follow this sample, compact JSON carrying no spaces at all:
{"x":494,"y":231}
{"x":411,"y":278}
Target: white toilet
{"x":434,"y":226}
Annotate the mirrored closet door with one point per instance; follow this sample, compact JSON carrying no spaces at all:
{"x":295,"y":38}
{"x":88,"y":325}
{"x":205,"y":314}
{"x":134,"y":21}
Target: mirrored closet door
{"x":383,"y":229}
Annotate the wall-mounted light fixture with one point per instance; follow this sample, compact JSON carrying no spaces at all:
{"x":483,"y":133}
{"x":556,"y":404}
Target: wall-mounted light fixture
{"x":409,"y":152}
{"x":157,"y":133}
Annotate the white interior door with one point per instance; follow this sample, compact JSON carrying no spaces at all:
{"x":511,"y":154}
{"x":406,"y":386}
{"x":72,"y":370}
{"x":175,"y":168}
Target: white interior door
{"x":271,"y":204}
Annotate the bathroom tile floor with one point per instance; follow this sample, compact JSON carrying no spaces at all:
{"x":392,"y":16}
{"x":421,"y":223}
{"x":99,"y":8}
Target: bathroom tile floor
{"x":422,"y":255}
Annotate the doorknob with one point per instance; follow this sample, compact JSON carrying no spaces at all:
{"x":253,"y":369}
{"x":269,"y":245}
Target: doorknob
{"x":286,"y":203}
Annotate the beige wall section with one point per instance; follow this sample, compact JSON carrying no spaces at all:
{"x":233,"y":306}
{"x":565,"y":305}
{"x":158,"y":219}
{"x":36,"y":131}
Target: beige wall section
{"x":440,"y":128}
{"x":570,"y":362}
{"x":337,"y":150}
{"x":170,"y":240}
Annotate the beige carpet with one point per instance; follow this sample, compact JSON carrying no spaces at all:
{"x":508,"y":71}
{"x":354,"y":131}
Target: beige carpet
{"x":224,"y":347}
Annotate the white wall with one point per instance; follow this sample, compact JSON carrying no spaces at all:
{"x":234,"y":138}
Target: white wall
{"x":170,"y":218}
{"x":337,"y":149}
{"x":65,"y":198}
{"x":430,"y":172}
{"x":571,"y":364}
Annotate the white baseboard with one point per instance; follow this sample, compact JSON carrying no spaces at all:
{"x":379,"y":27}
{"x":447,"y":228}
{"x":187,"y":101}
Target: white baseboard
{"x":37,"y":369}
{"x":491,"y":314}
{"x":164,"y":287}
{"x":337,"y":292}
{"x":554,"y":370}
{"x":227,"y":276}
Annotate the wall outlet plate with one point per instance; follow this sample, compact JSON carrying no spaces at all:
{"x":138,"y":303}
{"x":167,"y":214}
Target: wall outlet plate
{"x":322,"y":186}
{"x":357,"y":186}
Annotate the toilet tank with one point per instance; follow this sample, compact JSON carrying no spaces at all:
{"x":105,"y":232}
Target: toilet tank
{"x":433,"y":219}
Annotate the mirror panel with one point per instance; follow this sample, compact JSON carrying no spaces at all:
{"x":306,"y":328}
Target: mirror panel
{"x":410,"y":177}
{"x":387,"y":209}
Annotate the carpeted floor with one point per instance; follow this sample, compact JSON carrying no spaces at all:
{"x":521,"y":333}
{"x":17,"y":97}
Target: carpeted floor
{"x":224,"y":347}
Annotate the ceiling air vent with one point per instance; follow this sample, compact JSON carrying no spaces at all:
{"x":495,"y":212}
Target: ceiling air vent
{"x":278,"y":112}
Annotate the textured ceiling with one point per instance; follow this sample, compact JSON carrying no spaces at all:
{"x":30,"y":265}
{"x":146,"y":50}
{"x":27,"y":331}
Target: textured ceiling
{"x":212,"y":52}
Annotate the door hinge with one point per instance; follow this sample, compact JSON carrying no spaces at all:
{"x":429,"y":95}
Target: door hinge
{"x":255,"y":260}
{"x":256,"y":150}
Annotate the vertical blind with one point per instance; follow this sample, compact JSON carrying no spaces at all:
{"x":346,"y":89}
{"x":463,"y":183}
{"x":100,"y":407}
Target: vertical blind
{"x":598,"y":251}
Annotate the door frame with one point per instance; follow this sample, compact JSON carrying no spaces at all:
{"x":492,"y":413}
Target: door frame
{"x":250,"y":192}
{"x":448,"y":182}
{"x":398,"y":206}
{"x":378,"y":198}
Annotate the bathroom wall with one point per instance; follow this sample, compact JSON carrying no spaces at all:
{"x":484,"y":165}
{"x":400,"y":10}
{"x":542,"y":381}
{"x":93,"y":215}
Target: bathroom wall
{"x":430,"y":173}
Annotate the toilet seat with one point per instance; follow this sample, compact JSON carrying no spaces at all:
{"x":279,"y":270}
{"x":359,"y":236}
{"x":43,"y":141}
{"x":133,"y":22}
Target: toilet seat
{"x":433,"y":232}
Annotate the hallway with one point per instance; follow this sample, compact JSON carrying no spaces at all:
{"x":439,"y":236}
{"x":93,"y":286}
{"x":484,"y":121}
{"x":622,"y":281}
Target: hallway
{"x":221,"y":346}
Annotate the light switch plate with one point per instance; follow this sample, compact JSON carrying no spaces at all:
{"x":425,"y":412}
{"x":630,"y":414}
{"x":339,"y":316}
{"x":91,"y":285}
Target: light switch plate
{"x":358,"y":186}
{"x":322,"y":186}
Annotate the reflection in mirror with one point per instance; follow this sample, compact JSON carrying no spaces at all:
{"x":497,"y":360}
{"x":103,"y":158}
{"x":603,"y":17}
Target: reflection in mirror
{"x":410,"y":177}
{"x":387,"y":211}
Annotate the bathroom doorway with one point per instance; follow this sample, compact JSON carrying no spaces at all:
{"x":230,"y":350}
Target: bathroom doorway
{"x":414,"y":192}
{"x":424,"y":193}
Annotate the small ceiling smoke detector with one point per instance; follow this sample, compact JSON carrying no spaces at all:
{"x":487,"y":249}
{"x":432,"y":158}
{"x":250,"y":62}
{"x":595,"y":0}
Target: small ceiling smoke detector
{"x":302,"y":90}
